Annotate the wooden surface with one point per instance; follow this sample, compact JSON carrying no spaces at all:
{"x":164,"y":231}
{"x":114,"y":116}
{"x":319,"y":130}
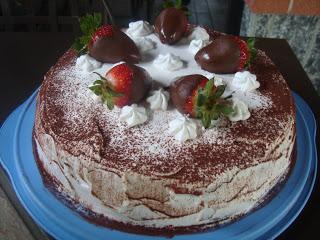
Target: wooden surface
{"x":26,"y":57}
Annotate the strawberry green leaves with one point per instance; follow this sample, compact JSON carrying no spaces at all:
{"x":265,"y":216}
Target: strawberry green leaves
{"x":252,"y":51}
{"x":103,"y":89}
{"x":169,"y":3}
{"x":175,"y":4}
{"x":88,"y":25}
{"x":210,"y":105}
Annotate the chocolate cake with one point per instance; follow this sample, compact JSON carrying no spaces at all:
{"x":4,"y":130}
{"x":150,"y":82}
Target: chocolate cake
{"x":149,"y":167}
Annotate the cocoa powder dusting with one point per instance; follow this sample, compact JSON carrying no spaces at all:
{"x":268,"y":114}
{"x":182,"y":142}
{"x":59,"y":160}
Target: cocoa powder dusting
{"x":84,"y":127}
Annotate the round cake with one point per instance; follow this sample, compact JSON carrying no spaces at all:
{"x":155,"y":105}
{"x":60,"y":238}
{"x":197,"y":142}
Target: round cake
{"x":149,"y":168}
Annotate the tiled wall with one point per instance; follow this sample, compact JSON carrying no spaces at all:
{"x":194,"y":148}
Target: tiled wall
{"x":302,"y":33}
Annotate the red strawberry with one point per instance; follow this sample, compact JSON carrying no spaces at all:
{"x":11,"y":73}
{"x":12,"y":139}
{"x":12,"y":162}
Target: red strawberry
{"x":245,"y":54}
{"x":198,"y":97}
{"x":103,"y":31}
{"x":105,"y":43}
{"x":123,"y":85}
{"x":191,"y":101}
{"x":226,"y":54}
{"x":189,"y":29}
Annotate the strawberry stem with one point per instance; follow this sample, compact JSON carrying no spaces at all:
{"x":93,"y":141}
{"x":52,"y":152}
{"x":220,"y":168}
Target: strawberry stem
{"x":88,"y":25}
{"x":175,"y":4}
{"x":210,"y":105}
{"x":102,"y":88}
{"x":252,"y":52}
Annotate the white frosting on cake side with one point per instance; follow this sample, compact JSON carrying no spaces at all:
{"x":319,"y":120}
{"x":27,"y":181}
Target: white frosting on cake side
{"x":216,"y":203}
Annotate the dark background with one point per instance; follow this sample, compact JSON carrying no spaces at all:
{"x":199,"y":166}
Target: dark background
{"x":28,"y":15}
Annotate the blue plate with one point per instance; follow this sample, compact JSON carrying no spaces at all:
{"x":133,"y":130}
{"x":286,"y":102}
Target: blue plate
{"x":62,"y":223}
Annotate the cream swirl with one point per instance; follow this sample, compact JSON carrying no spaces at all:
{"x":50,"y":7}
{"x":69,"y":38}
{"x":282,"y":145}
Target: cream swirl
{"x":144,"y":44}
{"x":199,"y":33}
{"x":245,"y":81}
{"x":87,"y":63}
{"x":183,"y":128}
{"x":169,"y":62}
{"x":139,"y":29}
{"x":196,"y":44}
{"x":159,"y":100}
{"x":133,"y":115}
{"x":218,"y":81}
{"x":240,"y":111}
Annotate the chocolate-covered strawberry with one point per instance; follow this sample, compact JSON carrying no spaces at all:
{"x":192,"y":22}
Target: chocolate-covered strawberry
{"x":226,"y":54}
{"x":198,"y":97}
{"x":171,"y":24}
{"x":122,"y":85}
{"x":105,"y":43}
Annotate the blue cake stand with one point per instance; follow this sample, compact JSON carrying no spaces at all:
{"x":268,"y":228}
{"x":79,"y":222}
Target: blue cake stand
{"x":62,"y":223}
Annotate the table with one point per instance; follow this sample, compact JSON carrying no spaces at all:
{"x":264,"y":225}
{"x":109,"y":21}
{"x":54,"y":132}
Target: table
{"x":26,"y":57}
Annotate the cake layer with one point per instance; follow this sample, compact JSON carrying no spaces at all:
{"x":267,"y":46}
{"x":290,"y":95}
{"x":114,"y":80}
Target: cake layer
{"x":142,"y":175}
{"x":140,"y":200}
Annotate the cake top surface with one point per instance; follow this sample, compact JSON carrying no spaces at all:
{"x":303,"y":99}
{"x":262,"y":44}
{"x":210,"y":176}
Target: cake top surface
{"x":87,"y":129}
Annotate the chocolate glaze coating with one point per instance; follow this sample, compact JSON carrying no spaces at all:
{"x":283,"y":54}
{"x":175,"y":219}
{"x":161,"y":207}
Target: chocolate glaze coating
{"x":141,"y":84}
{"x":171,"y":25}
{"x":182,"y":88}
{"x":115,"y":48}
{"x":220,"y":56}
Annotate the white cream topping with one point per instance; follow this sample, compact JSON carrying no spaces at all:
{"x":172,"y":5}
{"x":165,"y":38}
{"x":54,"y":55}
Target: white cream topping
{"x":144,"y":44}
{"x":169,"y":62}
{"x":218,"y":81}
{"x":183,"y":128}
{"x":245,"y":81}
{"x":87,"y":63}
{"x":159,"y":99}
{"x":133,"y":115}
{"x":240,"y":111}
{"x":196,"y":44}
{"x":199,"y":33}
{"x":139,"y":29}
